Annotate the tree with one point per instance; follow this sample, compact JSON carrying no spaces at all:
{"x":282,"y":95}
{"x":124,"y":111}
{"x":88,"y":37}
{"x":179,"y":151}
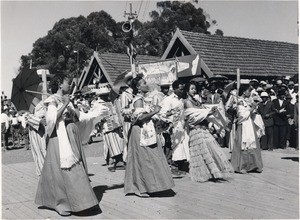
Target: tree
{"x":78,"y":37}
{"x":155,"y":35}
{"x":219,"y":32}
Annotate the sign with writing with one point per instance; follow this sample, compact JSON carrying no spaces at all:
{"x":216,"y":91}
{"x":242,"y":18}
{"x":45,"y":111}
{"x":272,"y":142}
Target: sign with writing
{"x":160,"y":73}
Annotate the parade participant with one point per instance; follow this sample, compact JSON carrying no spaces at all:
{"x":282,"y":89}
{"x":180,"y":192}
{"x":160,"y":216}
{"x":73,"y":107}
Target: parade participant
{"x":165,"y":88}
{"x":215,"y":97}
{"x":71,"y":118}
{"x":37,"y":135}
{"x":126,"y":98}
{"x":280,"y":120}
{"x":63,"y":185}
{"x":207,"y":159}
{"x":147,"y":170}
{"x":111,"y":129}
{"x":246,"y":154}
{"x":172,"y":111}
{"x":266,"y":110}
{"x":230,"y":108}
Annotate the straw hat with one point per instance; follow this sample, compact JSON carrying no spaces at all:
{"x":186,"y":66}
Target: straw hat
{"x":254,"y":80}
{"x":264,"y":94}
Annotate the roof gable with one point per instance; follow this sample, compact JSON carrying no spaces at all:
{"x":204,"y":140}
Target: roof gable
{"x":108,"y":66}
{"x":116,"y":63}
{"x":223,"y":55}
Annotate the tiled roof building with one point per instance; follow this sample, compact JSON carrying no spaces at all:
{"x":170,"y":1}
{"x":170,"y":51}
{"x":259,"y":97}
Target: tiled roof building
{"x":223,"y":55}
{"x":106,"y":67}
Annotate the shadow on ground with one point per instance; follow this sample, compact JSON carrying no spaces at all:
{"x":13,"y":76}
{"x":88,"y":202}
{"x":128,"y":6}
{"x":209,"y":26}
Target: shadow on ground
{"x":166,"y":193}
{"x":88,"y":212}
{"x":296,"y":159}
{"x":100,"y":190}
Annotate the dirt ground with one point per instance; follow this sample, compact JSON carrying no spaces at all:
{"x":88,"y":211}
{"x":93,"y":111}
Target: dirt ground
{"x":19,"y":154}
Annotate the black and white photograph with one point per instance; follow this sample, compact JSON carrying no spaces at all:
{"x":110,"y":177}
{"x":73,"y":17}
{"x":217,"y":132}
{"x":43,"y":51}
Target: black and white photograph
{"x":149,"y":109}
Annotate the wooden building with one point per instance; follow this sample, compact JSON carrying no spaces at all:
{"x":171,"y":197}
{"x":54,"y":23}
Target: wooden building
{"x":260,"y":59}
{"x":104,"y":68}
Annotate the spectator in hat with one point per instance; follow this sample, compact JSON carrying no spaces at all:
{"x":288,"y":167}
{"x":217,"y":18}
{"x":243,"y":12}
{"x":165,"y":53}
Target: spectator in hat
{"x":294,"y":93}
{"x":294,"y":141}
{"x":279,"y":82}
{"x":259,"y":90}
{"x":291,"y":87}
{"x":290,"y":117}
{"x":286,"y":80}
{"x":266,"y":110}
{"x":4,"y":127}
{"x":254,"y":85}
{"x":15,"y":128}
{"x":284,"y":88}
{"x":276,"y":85}
{"x":271,"y":92}
{"x":280,"y":120}
{"x":263,"y":84}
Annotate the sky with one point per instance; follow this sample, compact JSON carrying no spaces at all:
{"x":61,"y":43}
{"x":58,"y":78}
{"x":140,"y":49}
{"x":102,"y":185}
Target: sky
{"x":23,"y":22}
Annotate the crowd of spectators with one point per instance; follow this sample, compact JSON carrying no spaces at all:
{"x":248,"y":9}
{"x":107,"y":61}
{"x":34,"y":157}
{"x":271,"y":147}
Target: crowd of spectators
{"x":14,"y":130}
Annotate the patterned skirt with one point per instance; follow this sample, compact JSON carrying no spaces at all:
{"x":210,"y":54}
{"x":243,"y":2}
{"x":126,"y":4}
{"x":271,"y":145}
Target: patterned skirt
{"x":207,"y":159}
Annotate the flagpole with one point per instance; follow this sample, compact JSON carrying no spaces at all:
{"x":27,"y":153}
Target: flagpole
{"x":35,"y":92}
{"x":238,"y":84}
{"x":238,"y":79}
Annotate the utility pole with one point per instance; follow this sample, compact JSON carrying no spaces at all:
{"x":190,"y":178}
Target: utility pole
{"x":131,"y":15}
{"x":127,"y":27}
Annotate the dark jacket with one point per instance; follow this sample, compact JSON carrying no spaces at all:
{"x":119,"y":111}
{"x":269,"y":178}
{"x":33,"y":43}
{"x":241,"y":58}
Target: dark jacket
{"x":267,"y":112}
{"x":280,"y":119}
{"x":217,"y":98}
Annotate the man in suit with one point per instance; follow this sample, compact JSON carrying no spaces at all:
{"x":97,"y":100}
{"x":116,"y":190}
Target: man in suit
{"x":280,"y":120}
{"x":213,"y":97}
{"x":290,"y":127}
{"x":266,"y":110}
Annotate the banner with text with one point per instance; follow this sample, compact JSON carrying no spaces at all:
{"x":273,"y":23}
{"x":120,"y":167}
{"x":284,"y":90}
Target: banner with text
{"x":160,"y":73}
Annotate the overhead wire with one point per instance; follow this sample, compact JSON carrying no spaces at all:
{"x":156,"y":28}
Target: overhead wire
{"x":146,"y":8}
{"x":139,"y":9}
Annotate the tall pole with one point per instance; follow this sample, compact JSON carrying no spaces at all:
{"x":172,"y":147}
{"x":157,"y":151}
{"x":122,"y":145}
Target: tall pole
{"x":43,"y":73}
{"x":130,"y":50}
{"x":77,"y":70}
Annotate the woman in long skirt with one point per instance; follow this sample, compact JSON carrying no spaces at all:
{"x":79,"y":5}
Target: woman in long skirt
{"x":147,"y":170}
{"x":207,"y":161}
{"x":246,"y":153}
{"x":63,"y":185}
